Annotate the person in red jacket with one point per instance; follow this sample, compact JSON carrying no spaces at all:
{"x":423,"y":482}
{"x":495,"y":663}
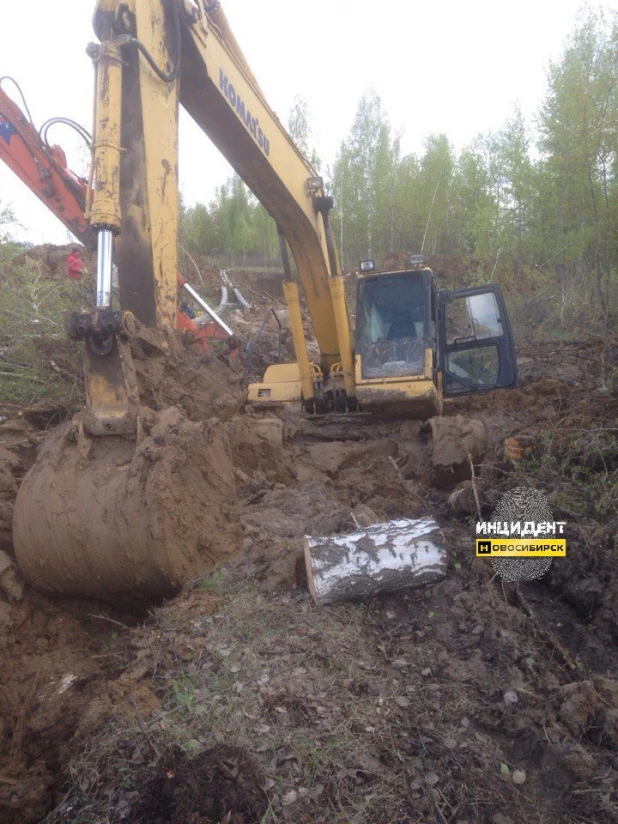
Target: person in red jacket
{"x":75,"y":265}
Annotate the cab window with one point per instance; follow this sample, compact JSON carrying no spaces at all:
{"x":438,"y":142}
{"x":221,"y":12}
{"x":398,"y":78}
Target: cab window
{"x":478,"y":353}
{"x":476,"y":317}
{"x":391,"y":326}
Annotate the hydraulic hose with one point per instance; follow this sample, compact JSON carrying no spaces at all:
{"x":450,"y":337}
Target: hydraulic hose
{"x":23,"y":97}
{"x":166,"y":77}
{"x":27,"y":138}
{"x":81,"y":131}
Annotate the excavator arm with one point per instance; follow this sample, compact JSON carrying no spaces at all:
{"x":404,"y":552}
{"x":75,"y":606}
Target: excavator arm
{"x":43,"y":168}
{"x":124,"y":501}
{"x":219,"y":91}
{"x":152,"y":57}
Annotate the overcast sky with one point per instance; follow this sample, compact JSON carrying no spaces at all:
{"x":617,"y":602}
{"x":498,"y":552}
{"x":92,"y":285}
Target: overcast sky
{"x":453,"y":66}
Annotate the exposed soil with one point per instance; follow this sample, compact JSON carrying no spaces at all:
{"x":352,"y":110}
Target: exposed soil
{"x":203,"y":789}
{"x":240,"y":701}
{"x":202,"y":385}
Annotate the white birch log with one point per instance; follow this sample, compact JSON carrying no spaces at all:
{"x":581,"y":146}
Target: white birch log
{"x":379,"y":559}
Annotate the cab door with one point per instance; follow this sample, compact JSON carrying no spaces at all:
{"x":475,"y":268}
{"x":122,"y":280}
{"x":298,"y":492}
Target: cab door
{"x":477,"y":352}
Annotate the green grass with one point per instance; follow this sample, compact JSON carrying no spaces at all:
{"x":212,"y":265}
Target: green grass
{"x":36,"y":359}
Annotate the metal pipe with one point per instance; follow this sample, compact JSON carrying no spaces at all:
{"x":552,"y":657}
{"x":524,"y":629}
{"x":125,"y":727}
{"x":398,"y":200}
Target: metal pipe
{"x":105,"y":245}
{"x":240,"y":299}
{"x":223,"y":301}
{"x":207,"y":309}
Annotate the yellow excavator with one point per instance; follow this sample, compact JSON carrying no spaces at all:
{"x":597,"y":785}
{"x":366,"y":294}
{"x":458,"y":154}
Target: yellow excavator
{"x":104,"y":511}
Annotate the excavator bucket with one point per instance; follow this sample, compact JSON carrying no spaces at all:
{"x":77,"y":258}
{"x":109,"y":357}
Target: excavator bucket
{"x":107,"y":518}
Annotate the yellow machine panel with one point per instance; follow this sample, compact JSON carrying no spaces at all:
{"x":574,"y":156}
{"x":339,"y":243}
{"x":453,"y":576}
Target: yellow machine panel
{"x":281,"y":384}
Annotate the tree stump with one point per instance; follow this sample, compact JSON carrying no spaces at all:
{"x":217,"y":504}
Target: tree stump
{"x":379,"y":559}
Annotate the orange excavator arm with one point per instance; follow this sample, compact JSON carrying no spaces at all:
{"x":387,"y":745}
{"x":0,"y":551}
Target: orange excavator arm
{"x":43,"y":168}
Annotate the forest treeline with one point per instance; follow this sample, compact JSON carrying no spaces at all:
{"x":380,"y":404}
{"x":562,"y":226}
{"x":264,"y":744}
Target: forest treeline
{"x":528,"y":204}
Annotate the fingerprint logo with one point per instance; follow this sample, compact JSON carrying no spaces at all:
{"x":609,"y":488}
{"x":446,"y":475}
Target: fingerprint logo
{"x":522,"y":504}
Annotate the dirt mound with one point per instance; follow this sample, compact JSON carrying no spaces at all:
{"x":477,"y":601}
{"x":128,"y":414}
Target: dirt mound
{"x":202,"y":385}
{"x":220,"y":784}
{"x":457,"y":443}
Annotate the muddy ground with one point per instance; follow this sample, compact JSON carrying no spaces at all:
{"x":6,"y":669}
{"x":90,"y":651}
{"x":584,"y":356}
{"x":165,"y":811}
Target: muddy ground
{"x":241,"y":701}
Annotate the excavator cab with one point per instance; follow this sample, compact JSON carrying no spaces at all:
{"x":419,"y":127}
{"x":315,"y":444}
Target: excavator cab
{"x":415,"y":345}
{"x":393,"y":323}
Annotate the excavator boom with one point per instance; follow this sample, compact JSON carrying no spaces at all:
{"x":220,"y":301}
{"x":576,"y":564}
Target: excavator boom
{"x":153,"y":57}
{"x":42,"y":168}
